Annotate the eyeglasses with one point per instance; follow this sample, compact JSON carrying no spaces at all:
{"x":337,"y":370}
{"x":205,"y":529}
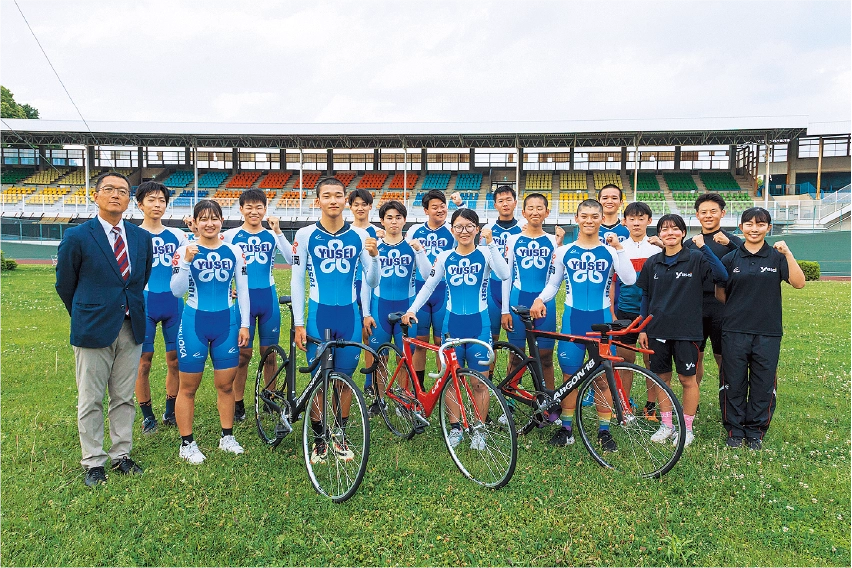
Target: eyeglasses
{"x":465,"y":228}
{"x":109,"y":190}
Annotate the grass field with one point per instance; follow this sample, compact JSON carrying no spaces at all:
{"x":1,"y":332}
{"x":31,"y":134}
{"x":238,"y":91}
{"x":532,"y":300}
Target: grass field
{"x":788,"y":505}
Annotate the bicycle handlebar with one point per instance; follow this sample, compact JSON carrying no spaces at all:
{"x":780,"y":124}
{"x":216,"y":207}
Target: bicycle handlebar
{"x":453,"y":343}
{"x":338,"y":343}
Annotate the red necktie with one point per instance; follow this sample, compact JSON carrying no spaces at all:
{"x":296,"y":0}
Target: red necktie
{"x":121,"y":254}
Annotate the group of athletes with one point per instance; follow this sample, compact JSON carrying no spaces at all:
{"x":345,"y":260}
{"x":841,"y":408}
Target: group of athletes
{"x":455,"y":277}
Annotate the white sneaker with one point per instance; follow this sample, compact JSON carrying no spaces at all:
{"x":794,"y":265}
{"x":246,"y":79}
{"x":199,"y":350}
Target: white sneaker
{"x":455,"y":437}
{"x":230,"y":444}
{"x":191,"y":453}
{"x":662,"y":434}
{"x":503,"y":421}
{"x":477,"y":441}
{"x":686,"y":441}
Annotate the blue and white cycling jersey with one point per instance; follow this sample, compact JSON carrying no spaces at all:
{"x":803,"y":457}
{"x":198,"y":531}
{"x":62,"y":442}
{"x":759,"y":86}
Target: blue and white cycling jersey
{"x":587,"y":273}
{"x":530,"y":261}
{"x":208,"y":279}
{"x":330,"y":262}
{"x":398,"y":266}
{"x":466,"y":277}
{"x":501,"y":231}
{"x":165,"y":243}
{"x":259,"y":251}
{"x":620,"y":231}
{"x":371,"y":232}
{"x":209,"y":322}
{"x":433,"y":241}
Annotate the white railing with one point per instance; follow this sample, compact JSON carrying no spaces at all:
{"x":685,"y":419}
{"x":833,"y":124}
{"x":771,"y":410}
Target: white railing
{"x":801,"y":212}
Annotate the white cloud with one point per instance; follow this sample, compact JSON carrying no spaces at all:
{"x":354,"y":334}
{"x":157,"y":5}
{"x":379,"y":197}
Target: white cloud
{"x":383,"y":61}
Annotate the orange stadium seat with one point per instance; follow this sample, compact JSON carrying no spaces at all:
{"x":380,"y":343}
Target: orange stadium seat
{"x":243,"y":180}
{"x":372,"y":180}
{"x":345,"y":177}
{"x":310,"y":178}
{"x":399,"y":178}
{"x":275,"y":180}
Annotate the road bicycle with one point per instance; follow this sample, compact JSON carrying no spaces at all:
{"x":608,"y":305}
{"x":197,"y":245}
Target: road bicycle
{"x":342,"y":435}
{"x":475,"y":419}
{"x":614,"y":385}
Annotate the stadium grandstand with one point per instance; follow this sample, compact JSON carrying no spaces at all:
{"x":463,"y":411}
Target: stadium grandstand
{"x":49,"y":167}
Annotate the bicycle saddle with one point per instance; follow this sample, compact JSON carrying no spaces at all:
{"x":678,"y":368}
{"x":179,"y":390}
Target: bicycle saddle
{"x":395,"y":318}
{"x":522,"y":311}
{"x":612,"y":326}
{"x":284,"y":299}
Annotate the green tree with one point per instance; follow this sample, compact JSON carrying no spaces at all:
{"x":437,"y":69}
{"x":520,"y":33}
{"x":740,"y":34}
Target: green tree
{"x":10,"y":109}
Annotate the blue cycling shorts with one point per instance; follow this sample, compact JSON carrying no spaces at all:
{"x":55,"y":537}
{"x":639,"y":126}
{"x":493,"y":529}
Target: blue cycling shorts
{"x":344,"y":323}
{"x":383,"y":333}
{"x":203,"y":333}
{"x":473,"y":326}
{"x":264,"y":314}
{"x":161,"y":307}
{"x":518,"y":336}
{"x":431,"y":315}
{"x":577,"y":322}
{"x":495,"y":305}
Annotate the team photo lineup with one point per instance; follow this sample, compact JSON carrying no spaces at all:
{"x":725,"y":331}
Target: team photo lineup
{"x":449,"y":279}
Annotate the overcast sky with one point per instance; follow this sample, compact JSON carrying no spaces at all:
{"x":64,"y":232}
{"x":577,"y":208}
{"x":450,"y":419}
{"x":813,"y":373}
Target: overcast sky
{"x":401,"y":61}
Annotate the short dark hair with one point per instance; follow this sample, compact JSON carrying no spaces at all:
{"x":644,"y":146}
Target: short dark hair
{"x":105,"y":175}
{"x":253,"y":196}
{"x":671,"y":219}
{"x":328,"y":180}
{"x":206,"y":205}
{"x":637,"y":208}
{"x":363,"y":194}
{"x":612,"y":186}
{"x":714,"y":197}
{"x":433,"y":194}
{"x":529,"y":196}
{"x":465,"y":213}
{"x":504,"y":189}
{"x":757,"y":214}
{"x":592,"y":203}
{"x":395,"y":205}
{"x":148,"y":187}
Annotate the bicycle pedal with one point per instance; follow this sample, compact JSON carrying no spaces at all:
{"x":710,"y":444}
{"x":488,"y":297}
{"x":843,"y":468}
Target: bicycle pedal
{"x":283,"y":428}
{"x":420,"y":422}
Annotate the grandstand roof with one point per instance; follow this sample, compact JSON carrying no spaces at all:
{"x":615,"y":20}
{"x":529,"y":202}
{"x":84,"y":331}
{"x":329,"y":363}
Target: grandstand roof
{"x":530,"y":134}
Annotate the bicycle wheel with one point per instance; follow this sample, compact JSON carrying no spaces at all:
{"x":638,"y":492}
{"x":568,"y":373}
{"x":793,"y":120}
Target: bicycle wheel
{"x":486,"y":449}
{"x":517,"y":386}
{"x":269,"y":398}
{"x":342,"y":446}
{"x":397,"y":401}
{"x":635,"y":453}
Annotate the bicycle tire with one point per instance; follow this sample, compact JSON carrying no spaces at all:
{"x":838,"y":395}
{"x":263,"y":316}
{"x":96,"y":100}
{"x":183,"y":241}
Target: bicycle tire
{"x":397,"y":402}
{"x":636,"y":455}
{"x":525,"y":411}
{"x":490,"y":453}
{"x":338,"y":475}
{"x":269,"y":400}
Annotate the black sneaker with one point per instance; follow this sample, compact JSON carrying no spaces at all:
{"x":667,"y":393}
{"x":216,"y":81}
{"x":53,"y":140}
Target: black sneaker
{"x":606,"y":441}
{"x":95,"y":476}
{"x":754,"y":443}
{"x":126,"y":466}
{"x":149,"y":425}
{"x":734,"y":442}
{"x":562,"y":437}
{"x":375,"y":408}
{"x":169,"y":420}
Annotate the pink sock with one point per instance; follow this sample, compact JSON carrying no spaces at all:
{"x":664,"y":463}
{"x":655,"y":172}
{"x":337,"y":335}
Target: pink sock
{"x":667,"y":418}
{"x":688,"y":418}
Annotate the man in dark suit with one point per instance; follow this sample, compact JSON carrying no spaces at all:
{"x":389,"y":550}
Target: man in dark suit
{"x":101,"y":272}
